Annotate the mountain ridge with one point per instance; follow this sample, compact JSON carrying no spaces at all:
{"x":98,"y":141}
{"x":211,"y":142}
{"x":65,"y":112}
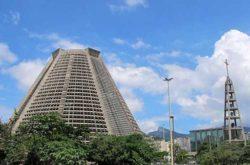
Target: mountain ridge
{"x":158,"y":134}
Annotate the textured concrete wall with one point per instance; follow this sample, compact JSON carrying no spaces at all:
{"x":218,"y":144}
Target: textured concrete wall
{"x":77,"y":84}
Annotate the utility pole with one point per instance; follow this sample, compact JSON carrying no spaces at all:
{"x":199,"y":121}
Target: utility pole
{"x":171,"y":123}
{"x":245,"y":139}
{"x":163,"y":132}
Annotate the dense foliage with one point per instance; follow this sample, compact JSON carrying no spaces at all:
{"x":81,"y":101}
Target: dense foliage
{"x":181,"y":156}
{"x":3,"y":136}
{"x":224,"y":154}
{"x":47,"y":139}
{"x":132,"y":149}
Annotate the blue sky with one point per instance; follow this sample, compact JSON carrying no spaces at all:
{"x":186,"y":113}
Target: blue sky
{"x":141,"y":41}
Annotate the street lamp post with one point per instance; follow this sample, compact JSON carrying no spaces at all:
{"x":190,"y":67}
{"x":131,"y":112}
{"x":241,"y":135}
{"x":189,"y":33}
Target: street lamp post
{"x":171,"y":123}
{"x":163,"y":133}
{"x":245,"y":138}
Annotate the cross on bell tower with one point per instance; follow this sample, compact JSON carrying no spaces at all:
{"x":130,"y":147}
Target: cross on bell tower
{"x":233,"y":129}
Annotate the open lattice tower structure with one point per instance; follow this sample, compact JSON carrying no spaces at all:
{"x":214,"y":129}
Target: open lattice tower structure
{"x":233,"y":129}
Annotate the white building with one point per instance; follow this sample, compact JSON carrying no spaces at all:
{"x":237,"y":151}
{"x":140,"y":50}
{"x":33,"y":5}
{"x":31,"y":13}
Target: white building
{"x":162,"y":145}
{"x":184,"y":143}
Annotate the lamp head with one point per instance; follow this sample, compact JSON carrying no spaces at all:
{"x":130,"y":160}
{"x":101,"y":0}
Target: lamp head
{"x":168,"y":79}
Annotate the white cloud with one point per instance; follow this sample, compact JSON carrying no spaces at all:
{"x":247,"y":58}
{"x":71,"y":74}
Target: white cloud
{"x":134,"y":103}
{"x":112,"y":59}
{"x":129,"y":78}
{"x":26,"y":72}
{"x":158,"y":57}
{"x":15,"y":17}
{"x":200,"y":91}
{"x":151,"y":124}
{"x":128,"y":5}
{"x":12,"y":17}
{"x":132,"y":77}
{"x":6,"y":55}
{"x":57,"y":41}
{"x":134,"y":3}
{"x":139,"y":44}
{"x":119,"y":41}
{"x":203,"y":107}
{"x":174,"y":53}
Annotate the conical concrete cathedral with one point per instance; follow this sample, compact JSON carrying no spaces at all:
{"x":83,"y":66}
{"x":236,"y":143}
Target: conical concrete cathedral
{"x":77,"y":84}
{"x":233,"y":129}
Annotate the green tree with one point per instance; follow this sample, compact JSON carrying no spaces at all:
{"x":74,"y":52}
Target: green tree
{"x":245,"y":157}
{"x":1,"y":142}
{"x":182,"y":157}
{"x":131,"y":149}
{"x":47,"y":139}
{"x":62,"y":152}
{"x":4,"y":134}
{"x":228,"y":153}
{"x":52,"y":127}
{"x":105,"y":149}
{"x":225,"y":154}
